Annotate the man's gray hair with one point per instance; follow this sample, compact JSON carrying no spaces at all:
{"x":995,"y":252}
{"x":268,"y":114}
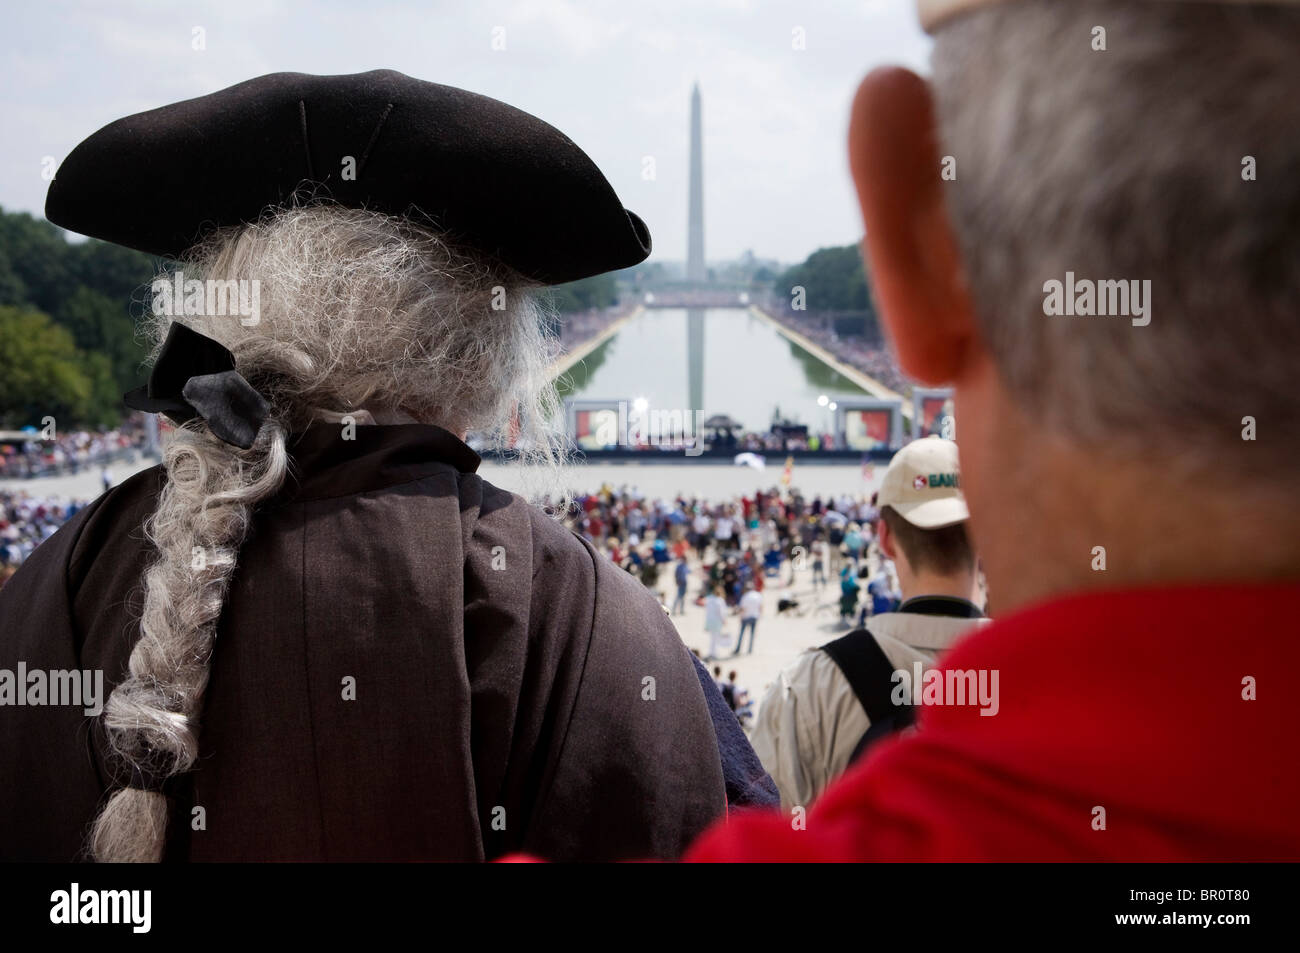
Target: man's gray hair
{"x":1134,"y":162}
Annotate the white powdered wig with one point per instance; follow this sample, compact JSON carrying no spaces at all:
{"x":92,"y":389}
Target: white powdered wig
{"x":358,"y":312}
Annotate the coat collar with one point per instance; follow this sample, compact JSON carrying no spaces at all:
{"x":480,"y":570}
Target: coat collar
{"x":942,"y":605}
{"x":326,"y":465}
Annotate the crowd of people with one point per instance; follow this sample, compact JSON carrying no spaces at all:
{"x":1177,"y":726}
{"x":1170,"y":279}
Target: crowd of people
{"x":29,"y":518}
{"x":739,"y":546}
{"x":578,"y":327}
{"x":734,"y":694}
{"x":71,"y":452}
{"x":26,"y":521}
{"x":908,"y":584}
{"x":776,"y":440}
{"x":871,"y":358}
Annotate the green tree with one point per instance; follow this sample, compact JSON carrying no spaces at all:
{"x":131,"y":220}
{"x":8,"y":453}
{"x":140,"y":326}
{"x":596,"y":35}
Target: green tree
{"x":91,"y":288}
{"x":12,"y":289}
{"x":37,"y":254}
{"x":102,"y":326}
{"x":120,"y":274}
{"x":833,"y":279}
{"x":42,"y":373}
{"x":104,"y":407}
{"x":598,"y":291}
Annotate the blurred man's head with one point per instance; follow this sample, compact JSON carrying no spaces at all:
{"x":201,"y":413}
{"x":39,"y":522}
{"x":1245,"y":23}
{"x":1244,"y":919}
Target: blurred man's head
{"x":923,"y":521}
{"x":1100,"y":142}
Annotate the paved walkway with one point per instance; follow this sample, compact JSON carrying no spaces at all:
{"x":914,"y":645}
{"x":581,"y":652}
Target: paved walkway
{"x":780,"y":639}
{"x":85,"y":485}
{"x":711,"y":480}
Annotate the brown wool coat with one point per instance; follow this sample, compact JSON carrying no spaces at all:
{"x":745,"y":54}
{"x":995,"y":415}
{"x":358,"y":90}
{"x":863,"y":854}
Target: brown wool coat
{"x":519,"y":687}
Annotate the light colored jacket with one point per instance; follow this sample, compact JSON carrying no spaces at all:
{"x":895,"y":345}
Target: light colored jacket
{"x":810,"y":721}
{"x":713,"y":613}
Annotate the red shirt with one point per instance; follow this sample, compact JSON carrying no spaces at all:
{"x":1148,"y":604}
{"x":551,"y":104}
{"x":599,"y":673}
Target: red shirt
{"x":1127,"y":701}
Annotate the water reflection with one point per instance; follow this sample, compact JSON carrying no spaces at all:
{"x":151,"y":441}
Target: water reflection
{"x":718,"y":360}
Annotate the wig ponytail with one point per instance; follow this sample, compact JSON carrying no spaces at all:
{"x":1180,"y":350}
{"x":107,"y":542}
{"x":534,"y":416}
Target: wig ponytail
{"x":151,"y":719}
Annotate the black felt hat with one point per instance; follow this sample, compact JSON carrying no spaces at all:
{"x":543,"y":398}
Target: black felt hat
{"x":493,"y":177}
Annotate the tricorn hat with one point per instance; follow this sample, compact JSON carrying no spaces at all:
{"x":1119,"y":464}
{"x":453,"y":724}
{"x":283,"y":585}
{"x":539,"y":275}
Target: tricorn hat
{"x":491,"y":176}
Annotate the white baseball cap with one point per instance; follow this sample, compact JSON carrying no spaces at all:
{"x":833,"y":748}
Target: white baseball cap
{"x":923,"y":484}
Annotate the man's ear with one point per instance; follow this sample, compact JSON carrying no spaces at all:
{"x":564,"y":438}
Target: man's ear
{"x":885,"y":540}
{"x":912,"y":254}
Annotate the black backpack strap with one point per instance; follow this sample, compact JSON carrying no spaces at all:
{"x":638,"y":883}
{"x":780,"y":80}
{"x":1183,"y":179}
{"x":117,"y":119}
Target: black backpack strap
{"x":869,"y":671}
{"x":871,"y":676}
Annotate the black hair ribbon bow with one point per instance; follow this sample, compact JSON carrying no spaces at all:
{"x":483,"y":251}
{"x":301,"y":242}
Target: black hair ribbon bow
{"x":195,"y":376}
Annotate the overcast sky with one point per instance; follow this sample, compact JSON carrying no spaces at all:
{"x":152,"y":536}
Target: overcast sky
{"x":614,"y":75}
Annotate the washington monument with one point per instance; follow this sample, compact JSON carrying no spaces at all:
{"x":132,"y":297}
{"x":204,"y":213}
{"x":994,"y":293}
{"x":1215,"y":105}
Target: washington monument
{"x":695,"y":234}
{"x":695,"y":258}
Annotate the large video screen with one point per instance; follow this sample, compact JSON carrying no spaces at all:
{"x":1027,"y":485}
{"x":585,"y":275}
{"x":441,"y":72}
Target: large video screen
{"x":596,"y":428}
{"x":933,"y":409}
{"x":867,"y":429}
